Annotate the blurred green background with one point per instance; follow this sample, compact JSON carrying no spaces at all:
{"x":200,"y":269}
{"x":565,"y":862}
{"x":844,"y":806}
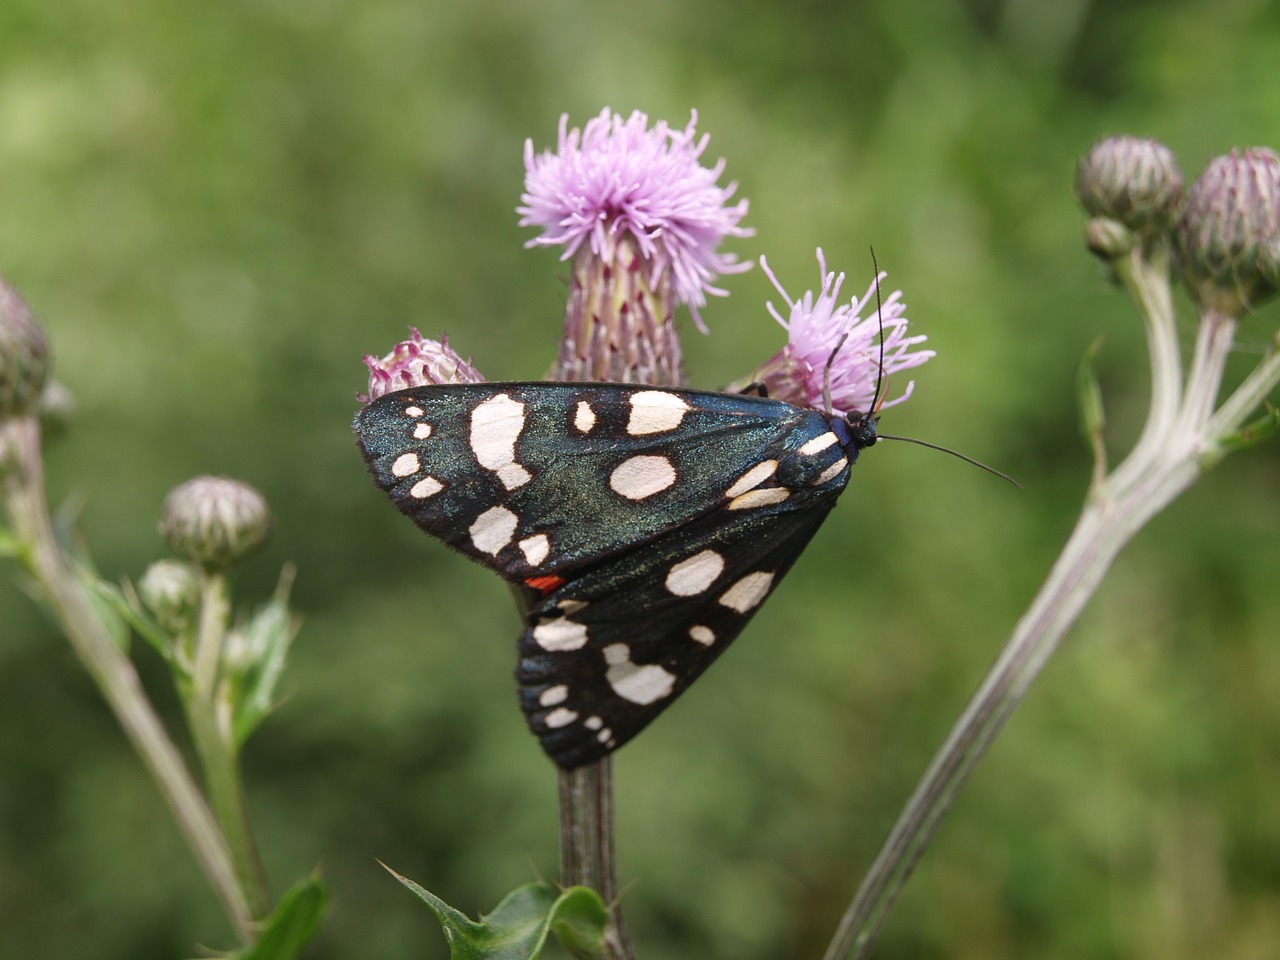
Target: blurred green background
{"x":217,"y":208}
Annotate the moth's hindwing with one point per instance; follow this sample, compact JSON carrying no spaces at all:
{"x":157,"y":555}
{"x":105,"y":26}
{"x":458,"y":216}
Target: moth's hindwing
{"x":533,"y":479}
{"x":607,"y":652}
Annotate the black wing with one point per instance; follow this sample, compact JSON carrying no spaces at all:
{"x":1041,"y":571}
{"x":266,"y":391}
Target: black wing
{"x":538,"y":479}
{"x":604,"y":654}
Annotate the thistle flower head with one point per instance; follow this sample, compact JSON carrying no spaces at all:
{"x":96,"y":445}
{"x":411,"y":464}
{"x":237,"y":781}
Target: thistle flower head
{"x":1231,"y":219}
{"x":617,"y":177}
{"x":24,"y":355}
{"x":214,"y":521}
{"x":414,"y":363}
{"x":816,"y":326}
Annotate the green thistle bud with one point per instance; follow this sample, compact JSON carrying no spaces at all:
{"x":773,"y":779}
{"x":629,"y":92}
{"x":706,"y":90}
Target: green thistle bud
{"x":1108,"y":239}
{"x":1269,"y":261}
{"x":1231,"y":219}
{"x":214,"y":521}
{"x":1133,"y":181}
{"x":171,"y":591}
{"x":24,"y":355}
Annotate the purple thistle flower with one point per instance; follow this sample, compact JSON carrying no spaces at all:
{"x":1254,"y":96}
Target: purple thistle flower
{"x":616,"y":178}
{"x":416,"y":362}
{"x":815,"y":326}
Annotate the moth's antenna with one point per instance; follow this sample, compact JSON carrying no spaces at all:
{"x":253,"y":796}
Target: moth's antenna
{"x":954,"y":453}
{"x":875,"y":398}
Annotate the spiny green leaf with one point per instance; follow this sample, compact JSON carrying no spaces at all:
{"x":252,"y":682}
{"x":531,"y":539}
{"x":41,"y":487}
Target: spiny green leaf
{"x":292,"y":924}
{"x":266,"y":639}
{"x":518,"y":926}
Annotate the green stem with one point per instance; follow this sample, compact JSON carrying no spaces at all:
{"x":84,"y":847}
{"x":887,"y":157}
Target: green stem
{"x":111,"y":669}
{"x":211,"y":731}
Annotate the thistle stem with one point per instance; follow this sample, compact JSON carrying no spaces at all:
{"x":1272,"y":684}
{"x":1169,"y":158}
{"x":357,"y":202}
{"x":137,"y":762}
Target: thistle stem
{"x":111,"y":668}
{"x":208,"y":716}
{"x":586,"y":843}
{"x":1181,"y":438}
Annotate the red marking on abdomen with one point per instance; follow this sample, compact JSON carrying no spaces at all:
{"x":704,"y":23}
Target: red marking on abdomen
{"x":545,"y":585}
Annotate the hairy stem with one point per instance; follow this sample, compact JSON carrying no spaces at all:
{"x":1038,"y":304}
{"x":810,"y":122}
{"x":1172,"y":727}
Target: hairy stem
{"x":111,"y":669}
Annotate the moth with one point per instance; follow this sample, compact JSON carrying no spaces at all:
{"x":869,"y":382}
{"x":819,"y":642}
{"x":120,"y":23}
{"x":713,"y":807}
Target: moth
{"x":642,"y":527}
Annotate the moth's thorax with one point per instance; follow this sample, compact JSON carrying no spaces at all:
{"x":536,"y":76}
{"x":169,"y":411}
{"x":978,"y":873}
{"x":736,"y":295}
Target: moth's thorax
{"x":857,"y":431}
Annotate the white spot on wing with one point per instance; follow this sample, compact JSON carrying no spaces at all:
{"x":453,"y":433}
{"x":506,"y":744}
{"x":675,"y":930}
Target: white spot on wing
{"x":757,"y":475}
{"x":555,"y":635}
{"x":584,"y":418}
{"x":819,"y":443}
{"x":759,"y":498}
{"x":593,"y":723}
{"x":421,"y":431}
{"x":747,"y":593}
{"x":406,"y":465}
{"x":493,"y":529}
{"x":642,"y":476}
{"x":690,"y":577}
{"x":496,"y":424}
{"x":553,"y":695}
{"x":414,"y":411}
{"x":655,"y":411}
{"x":639,"y":683}
{"x":605,"y":737}
{"x":513,"y":475}
{"x":426,"y":487}
{"x":560,"y":717}
{"x":535,"y":548}
{"x":831,"y":472}
{"x":704,"y":635}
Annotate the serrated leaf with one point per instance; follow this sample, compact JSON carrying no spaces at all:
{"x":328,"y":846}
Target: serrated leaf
{"x":291,"y":925}
{"x":518,"y":926}
{"x":266,"y":637}
{"x":1254,"y":433}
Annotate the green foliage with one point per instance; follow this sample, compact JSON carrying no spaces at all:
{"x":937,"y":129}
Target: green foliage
{"x":291,"y":925}
{"x":1252,"y":434}
{"x":214,"y":209}
{"x":517,"y":928}
{"x":255,"y":669}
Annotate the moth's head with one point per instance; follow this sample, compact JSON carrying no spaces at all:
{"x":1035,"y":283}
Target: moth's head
{"x":861,"y":429}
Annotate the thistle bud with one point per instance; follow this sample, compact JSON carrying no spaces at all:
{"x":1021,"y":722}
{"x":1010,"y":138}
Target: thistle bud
{"x":416,"y":362}
{"x":214,"y":521}
{"x":171,"y":591}
{"x":1231,"y":220}
{"x":1133,"y":181}
{"x":1108,"y":239}
{"x":24,"y":355}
